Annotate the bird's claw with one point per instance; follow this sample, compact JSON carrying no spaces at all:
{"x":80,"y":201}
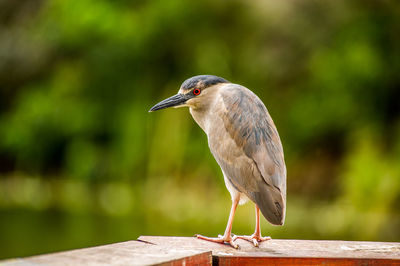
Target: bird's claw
{"x":220,"y":239}
{"x":255,"y":239}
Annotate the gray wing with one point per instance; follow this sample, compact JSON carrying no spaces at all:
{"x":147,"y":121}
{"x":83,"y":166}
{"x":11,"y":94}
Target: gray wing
{"x":250,"y":125}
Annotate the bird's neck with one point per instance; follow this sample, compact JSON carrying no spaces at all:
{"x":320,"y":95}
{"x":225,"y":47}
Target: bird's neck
{"x":200,"y":116}
{"x":205,"y":115}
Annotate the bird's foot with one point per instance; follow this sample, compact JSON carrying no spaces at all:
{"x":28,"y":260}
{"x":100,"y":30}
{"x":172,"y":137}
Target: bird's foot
{"x":254,"y":238}
{"x":220,"y":239}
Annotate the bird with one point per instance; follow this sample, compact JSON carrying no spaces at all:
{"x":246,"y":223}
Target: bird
{"x":244,"y":141}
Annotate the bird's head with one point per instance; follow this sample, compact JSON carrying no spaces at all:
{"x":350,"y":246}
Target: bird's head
{"x":194,"y":92}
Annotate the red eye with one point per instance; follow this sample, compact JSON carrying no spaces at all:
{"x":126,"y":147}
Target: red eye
{"x":196,"y":91}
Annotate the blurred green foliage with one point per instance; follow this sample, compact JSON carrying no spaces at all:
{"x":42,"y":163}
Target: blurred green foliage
{"x":83,"y":163}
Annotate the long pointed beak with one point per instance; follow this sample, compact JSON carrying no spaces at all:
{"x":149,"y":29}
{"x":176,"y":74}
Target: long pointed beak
{"x":172,"y":101}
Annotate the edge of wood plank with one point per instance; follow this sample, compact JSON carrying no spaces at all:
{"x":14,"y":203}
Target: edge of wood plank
{"x":289,"y":248}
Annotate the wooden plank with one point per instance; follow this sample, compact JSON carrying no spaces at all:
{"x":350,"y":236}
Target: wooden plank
{"x":259,"y":261}
{"x":155,"y":250}
{"x":291,"y":252}
{"x":124,"y":253}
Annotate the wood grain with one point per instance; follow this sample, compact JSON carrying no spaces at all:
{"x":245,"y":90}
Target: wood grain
{"x":124,"y":253}
{"x":158,"y":250}
{"x":292,"y":252}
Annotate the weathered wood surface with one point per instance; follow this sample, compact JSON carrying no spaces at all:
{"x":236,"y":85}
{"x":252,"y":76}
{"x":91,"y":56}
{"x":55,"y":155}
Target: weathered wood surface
{"x":155,"y":250}
{"x":124,"y":253}
{"x":291,"y":252}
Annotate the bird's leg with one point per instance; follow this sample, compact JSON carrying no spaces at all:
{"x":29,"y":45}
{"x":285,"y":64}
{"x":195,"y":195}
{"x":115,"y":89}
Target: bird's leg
{"x":256,"y":237}
{"x":227,"y":237}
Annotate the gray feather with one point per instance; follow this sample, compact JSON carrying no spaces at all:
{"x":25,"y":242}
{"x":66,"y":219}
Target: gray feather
{"x":250,"y":125}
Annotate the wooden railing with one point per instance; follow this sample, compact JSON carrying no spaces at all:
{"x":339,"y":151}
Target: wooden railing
{"x":155,"y":250}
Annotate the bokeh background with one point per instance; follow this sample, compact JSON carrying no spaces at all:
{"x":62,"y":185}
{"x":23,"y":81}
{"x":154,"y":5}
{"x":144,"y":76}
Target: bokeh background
{"x":83,"y":163}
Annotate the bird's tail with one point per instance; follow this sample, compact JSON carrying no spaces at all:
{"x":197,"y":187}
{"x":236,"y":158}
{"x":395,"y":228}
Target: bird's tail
{"x":272,"y":203}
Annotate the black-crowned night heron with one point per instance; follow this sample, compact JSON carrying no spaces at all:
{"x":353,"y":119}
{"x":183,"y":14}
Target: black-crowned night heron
{"x":244,"y":141}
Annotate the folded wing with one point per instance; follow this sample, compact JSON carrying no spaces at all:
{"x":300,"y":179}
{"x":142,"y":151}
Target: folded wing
{"x":250,"y":125}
